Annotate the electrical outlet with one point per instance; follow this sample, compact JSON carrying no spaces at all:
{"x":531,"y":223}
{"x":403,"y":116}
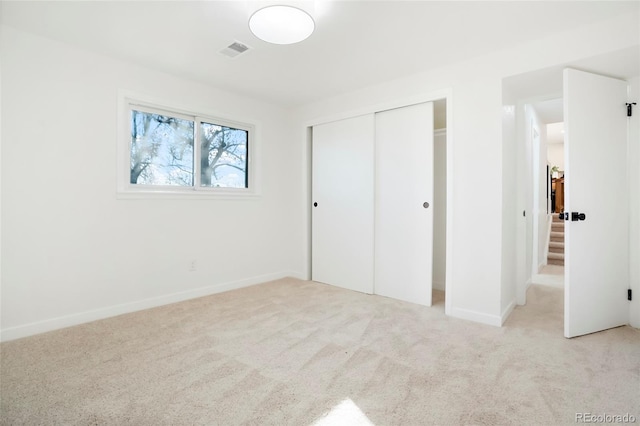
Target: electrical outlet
{"x":193,"y":266}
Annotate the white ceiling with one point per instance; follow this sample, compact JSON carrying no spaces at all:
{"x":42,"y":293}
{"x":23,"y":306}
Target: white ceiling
{"x":555,"y":133}
{"x":356,"y":43}
{"x":550,"y":111}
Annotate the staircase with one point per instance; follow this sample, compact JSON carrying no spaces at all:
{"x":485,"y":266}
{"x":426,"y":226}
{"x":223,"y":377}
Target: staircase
{"x":556,"y":242}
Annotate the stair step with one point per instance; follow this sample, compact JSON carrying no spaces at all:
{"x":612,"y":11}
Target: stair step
{"x":555,"y":255}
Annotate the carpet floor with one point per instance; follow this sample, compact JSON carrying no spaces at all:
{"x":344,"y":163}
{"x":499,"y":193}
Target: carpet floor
{"x":293,"y":352}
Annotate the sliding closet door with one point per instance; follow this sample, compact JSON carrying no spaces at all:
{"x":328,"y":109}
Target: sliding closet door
{"x":343,"y":208}
{"x":404,"y":194}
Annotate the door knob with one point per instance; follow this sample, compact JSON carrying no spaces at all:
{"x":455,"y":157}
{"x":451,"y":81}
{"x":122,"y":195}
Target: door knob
{"x":425,"y":205}
{"x":575,"y":216}
{"x":315,"y":204}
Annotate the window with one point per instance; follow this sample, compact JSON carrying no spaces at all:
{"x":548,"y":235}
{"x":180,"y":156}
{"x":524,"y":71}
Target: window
{"x":178,"y":153}
{"x":161,"y":149}
{"x":223,"y":156}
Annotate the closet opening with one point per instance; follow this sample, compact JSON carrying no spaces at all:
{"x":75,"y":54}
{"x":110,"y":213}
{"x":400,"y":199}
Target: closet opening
{"x":439,"y":202}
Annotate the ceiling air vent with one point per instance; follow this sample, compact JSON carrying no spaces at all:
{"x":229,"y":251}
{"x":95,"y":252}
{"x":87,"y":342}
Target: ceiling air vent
{"x":234,"y":49}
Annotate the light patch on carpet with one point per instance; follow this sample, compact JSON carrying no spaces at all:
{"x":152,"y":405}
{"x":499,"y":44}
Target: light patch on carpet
{"x":346,"y":413}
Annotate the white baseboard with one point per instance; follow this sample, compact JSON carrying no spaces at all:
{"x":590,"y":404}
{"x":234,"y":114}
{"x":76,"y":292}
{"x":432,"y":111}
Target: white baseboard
{"x":125,"y":308}
{"x":543,"y":264}
{"x":507,"y":311}
{"x":476,"y":316}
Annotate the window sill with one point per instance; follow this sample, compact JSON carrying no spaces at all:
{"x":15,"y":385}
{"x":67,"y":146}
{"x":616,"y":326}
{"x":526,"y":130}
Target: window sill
{"x":187,"y":195}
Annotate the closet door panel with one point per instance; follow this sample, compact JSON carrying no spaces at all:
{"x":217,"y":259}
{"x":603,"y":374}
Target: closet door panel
{"x":343,"y":203}
{"x":403,"y":206}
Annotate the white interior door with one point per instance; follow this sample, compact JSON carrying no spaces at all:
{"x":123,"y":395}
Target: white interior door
{"x":343,"y":203}
{"x":404,"y":197}
{"x":596,"y":248}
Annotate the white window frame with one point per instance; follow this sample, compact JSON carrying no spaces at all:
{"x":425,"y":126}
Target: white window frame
{"x":128,"y":102}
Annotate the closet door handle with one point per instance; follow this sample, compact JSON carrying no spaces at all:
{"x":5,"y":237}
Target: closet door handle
{"x":425,"y":205}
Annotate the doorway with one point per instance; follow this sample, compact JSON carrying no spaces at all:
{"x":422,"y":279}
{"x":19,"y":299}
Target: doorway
{"x":548,"y":192}
{"x":591,"y":302}
{"x":439,"y":203}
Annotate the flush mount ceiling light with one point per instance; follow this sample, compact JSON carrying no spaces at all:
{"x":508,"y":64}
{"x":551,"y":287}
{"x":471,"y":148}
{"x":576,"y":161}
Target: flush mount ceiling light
{"x":281,"y":24}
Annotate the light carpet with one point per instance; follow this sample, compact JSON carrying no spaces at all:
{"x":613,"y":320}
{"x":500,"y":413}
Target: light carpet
{"x":293,"y":352}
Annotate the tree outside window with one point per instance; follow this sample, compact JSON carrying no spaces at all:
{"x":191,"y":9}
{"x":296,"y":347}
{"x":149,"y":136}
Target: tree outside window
{"x":162,"y":152}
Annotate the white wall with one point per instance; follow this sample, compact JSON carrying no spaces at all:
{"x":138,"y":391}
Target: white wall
{"x":529,"y":122}
{"x":72,"y":252}
{"x":1,"y":208}
{"x":513,"y":269}
{"x":634,"y":199}
{"x":439,"y":208}
{"x":542,"y":216}
{"x":555,"y":155}
{"x":542,"y":202}
{"x":536,"y":158}
{"x":476,"y":218}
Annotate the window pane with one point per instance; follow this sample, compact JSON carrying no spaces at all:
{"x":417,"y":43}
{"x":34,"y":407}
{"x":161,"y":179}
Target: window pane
{"x":161,"y":150}
{"x":223,"y":156}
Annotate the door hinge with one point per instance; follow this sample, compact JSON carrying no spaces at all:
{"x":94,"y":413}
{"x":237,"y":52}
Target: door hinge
{"x":629,"y":295}
{"x":630,"y":108}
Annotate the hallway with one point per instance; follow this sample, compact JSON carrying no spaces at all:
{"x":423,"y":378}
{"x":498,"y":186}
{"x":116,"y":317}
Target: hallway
{"x":550,"y":275}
